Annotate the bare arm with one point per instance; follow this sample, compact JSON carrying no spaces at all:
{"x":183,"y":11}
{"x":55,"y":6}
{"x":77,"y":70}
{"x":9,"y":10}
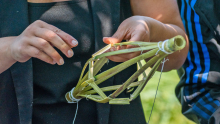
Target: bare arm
{"x":153,"y":21}
{"x":165,"y":11}
{"x":6,"y":60}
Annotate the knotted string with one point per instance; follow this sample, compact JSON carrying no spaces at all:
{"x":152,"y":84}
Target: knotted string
{"x":162,"y":48}
{"x":73,"y":100}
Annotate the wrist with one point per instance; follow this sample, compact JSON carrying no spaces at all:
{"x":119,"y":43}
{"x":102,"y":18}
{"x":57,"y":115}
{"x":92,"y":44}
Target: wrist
{"x":8,"y":52}
{"x":150,"y":22}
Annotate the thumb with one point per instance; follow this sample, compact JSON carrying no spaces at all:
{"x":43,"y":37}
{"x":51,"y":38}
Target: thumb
{"x":116,"y":38}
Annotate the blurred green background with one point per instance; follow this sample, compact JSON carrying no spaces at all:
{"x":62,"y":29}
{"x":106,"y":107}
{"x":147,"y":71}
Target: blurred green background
{"x":167,"y":109}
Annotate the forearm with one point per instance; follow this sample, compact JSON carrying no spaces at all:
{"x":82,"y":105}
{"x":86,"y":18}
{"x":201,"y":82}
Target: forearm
{"x":6,"y":61}
{"x":163,"y":19}
{"x":160,"y":32}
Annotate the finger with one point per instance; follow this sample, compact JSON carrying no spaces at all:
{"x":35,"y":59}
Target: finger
{"x":116,"y":38}
{"x":63,"y":35}
{"x":139,"y":36}
{"x":128,"y":56}
{"x":34,"y":52}
{"x":45,"y":47}
{"x":111,"y":40}
{"x":117,"y":58}
{"x":55,"y":40}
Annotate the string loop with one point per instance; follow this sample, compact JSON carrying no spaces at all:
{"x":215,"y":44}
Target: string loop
{"x":73,"y":99}
{"x":162,"y":48}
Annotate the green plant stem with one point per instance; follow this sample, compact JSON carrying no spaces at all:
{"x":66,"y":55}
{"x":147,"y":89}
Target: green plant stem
{"x":110,"y":88}
{"x":135,"y":43}
{"x":135,"y":75}
{"x":126,"y":51}
{"x":112,"y":71}
{"x":141,"y":86}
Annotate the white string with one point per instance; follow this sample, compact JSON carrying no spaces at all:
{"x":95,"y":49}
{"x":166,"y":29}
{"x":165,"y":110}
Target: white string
{"x":162,"y":48}
{"x":75,"y":113}
{"x":72,"y":98}
{"x":87,"y":97}
{"x":157,"y":88}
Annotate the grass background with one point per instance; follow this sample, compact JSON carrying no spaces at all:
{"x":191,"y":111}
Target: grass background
{"x":167,"y":109}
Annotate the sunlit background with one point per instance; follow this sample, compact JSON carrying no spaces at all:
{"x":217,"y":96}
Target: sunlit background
{"x":167,"y":109}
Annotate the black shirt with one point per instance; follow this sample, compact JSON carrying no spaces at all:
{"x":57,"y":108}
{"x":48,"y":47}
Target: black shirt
{"x":51,"y":82}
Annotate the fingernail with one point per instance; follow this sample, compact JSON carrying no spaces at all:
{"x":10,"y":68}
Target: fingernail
{"x":74,"y":42}
{"x":70,"y":53}
{"x":61,"y":62}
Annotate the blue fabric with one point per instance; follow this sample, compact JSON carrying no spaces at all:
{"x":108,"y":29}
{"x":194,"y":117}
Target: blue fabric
{"x":195,"y":91}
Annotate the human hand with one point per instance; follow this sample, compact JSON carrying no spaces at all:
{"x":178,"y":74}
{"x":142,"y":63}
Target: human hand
{"x":132,"y":29}
{"x":38,"y":40}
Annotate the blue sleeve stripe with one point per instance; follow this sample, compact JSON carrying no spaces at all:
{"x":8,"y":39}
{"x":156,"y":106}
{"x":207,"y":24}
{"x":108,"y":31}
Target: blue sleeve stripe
{"x":191,"y":38}
{"x":197,"y":64}
{"x":204,"y":48}
{"x":210,"y":99}
{"x":206,"y":105}
{"x":200,"y":40}
{"x":200,"y":112}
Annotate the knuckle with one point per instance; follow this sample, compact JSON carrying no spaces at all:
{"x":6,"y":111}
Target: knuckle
{"x":44,"y":43}
{"x":23,"y":40}
{"x":21,"y":49}
{"x":30,"y":29}
{"x":55,"y":55}
{"x":38,"y":22}
{"x":67,"y":37}
{"x":64,"y":48}
{"x":51,"y":35}
{"x":56,"y":30}
{"x":37,"y":53}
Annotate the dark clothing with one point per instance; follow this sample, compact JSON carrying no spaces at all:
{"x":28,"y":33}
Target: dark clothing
{"x":51,"y":82}
{"x":100,"y":18}
{"x":199,"y":88}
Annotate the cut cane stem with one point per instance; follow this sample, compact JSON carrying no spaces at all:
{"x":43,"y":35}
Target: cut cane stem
{"x":98,"y":65}
{"x":135,"y":43}
{"x":125,"y":51}
{"x":98,"y":90}
{"x":140,"y":66}
{"x":111,"y":88}
{"x":119,"y":101}
{"x":90,"y":69}
{"x":96,"y":98}
{"x":102,"y":50}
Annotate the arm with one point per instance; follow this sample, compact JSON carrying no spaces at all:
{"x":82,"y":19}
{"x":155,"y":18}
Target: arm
{"x":6,"y":60}
{"x":154,"y":21}
{"x":37,"y":40}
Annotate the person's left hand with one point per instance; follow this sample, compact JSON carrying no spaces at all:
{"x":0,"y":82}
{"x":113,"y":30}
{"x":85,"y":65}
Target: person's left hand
{"x":132,"y":29}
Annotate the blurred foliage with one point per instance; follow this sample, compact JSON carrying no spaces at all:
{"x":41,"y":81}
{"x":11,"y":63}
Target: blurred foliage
{"x":167,"y":109}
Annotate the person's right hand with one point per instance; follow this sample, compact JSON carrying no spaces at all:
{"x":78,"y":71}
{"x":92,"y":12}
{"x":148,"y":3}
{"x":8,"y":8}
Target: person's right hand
{"x":38,"y":40}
